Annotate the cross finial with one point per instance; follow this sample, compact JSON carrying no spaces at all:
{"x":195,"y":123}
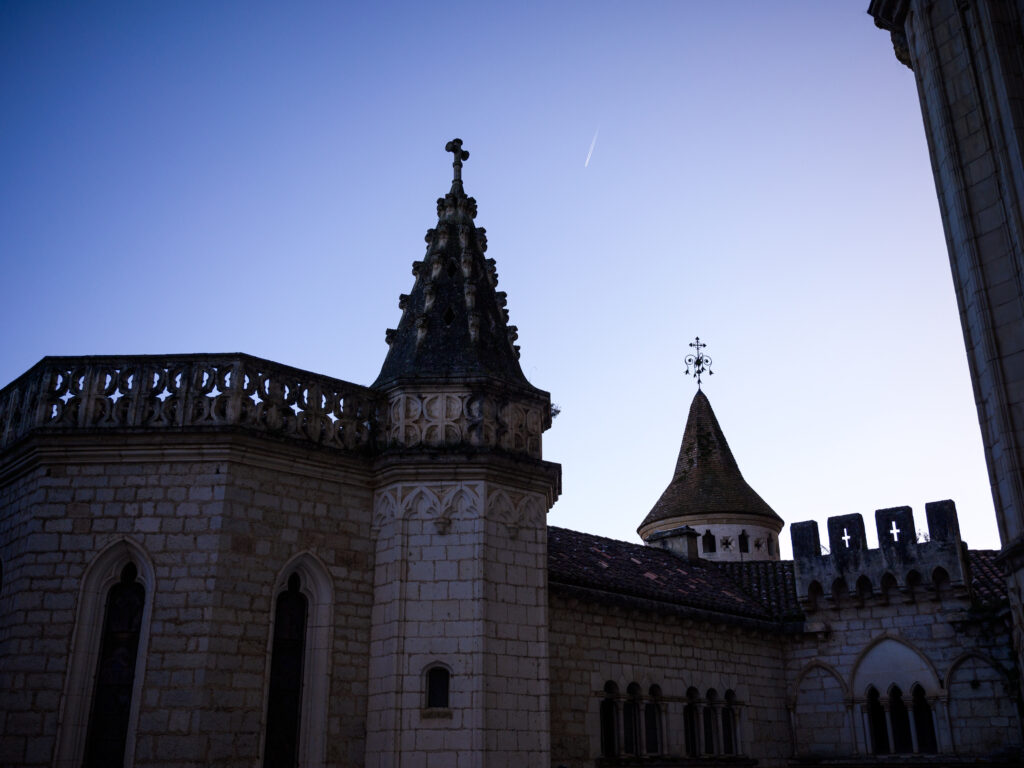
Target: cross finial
{"x":455,"y":147}
{"x":698,"y":361}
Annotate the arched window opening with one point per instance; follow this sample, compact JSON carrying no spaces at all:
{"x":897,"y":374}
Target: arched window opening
{"x":902,"y":743}
{"x":940,"y":578}
{"x":631,"y":721}
{"x":729,"y":746}
{"x":744,"y":541}
{"x":652,"y":722}
{"x":438,"y":683}
{"x":888,"y":587}
{"x":708,"y":540}
{"x":690,"y":723}
{"x":285,"y":697}
{"x":876,"y":723}
{"x":609,"y":730}
{"x":864,"y":590}
{"x":115,"y":672}
{"x":709,"y":722}
{"x":923,"y":722}
{"x":839,"y":591}
{"x":815,"y":595}
{"x":771,"y":545}
{"x":913,"y":585}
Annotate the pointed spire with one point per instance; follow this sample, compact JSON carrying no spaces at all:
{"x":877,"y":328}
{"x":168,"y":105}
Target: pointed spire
{"x":454,"y":324}
{"x":707,"y":479}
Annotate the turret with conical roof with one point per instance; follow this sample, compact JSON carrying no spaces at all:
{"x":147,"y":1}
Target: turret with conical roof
{"x":461,"y":498}
{"x":708,"y":493}
{"x":452,"y":371}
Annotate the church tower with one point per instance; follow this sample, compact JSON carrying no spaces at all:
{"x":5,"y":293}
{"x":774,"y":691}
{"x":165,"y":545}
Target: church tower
{"x":708,"y":503}
{"x":459,"y":651}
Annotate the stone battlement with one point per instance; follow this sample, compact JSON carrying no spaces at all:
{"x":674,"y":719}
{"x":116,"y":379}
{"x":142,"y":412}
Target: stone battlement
{"x":900,"y":563}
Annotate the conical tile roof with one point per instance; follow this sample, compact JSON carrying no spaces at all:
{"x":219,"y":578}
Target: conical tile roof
{"x":454,"y":324}
{"x":707,"y":479}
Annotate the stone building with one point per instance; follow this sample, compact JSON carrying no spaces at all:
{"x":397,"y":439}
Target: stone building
{"x":218,"y":560}
{"x":967,"y":61}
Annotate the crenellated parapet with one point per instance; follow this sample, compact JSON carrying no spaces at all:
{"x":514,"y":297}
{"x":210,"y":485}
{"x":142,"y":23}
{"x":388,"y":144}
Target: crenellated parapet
{"x":900,"y":565}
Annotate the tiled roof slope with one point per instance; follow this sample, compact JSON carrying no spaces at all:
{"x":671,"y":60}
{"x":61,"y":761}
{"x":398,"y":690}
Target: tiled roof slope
{"x":761,"y":590}
{"x":987,"y":580}
{"x":707,"y":479}
{"x":773,"y":582}
{"x":617,"y":567}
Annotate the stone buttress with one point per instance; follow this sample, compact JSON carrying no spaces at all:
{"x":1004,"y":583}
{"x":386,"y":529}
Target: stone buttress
{"x":462,"y":493}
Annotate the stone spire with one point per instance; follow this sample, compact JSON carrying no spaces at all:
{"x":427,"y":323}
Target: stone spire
{"x":454,"y":324}
{"x":707,"y":489}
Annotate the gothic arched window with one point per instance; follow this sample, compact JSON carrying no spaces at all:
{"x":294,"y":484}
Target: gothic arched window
{"x":744,"y":541}
{"x":631,"y":721}
{"x":876,"y":723}
{"x":652,"y":722}
{"x":709,"y":722}
{"x":708,"y":540}
{"x":923,"y":722}
{"x":690,"y":718}
{"x":115,"y":672}
{"x":609,"y":721}
{"x":284,"y":703}
{"x":901,"y":741}
{"x":729,"y":746}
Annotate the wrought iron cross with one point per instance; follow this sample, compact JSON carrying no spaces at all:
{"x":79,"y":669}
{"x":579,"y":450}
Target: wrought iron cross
{"x":455,"y":147}
{"x":698,"y":361}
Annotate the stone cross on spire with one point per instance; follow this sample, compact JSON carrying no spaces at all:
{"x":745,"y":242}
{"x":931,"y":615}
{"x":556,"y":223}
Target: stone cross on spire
{"x":699,"y":361}
{"x":455,"y":147}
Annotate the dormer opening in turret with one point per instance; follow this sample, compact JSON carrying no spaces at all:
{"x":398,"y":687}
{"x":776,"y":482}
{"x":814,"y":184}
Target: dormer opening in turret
{"x":452,"y":372}
{"x":708,"y":492}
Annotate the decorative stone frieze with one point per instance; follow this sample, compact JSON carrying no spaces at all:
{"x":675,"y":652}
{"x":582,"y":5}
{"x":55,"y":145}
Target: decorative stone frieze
{"x":456,"y":417}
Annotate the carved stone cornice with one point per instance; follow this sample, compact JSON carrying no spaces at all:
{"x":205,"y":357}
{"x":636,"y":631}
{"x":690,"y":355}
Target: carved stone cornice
{"x":890,"y":15}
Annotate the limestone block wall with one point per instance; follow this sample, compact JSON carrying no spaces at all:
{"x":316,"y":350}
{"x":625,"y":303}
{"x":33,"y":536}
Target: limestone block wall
{"x":963,"y":660}
{"x":460,"y":584}
{"x":215,"y":525}
{"x":594,"y":643}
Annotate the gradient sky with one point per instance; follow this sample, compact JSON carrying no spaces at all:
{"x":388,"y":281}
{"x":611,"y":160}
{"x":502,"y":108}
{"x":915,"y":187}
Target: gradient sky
{"x":258,"y":177}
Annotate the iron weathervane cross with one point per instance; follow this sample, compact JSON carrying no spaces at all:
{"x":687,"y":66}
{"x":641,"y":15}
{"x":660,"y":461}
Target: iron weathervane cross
{"x":698,"y":361}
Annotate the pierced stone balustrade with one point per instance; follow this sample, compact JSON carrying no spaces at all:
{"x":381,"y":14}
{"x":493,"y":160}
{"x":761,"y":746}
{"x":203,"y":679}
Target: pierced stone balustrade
{"x":188,"y":391}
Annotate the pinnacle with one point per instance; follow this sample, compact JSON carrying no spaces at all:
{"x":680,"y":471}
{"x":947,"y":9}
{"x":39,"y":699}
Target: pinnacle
{"x":454,"y":323}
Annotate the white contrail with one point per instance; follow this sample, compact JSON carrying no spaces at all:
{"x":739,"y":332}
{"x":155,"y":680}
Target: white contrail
{"x":592,"y":143}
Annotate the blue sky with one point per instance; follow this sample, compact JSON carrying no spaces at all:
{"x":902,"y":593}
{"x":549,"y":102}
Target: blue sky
{"x":258,"y":177}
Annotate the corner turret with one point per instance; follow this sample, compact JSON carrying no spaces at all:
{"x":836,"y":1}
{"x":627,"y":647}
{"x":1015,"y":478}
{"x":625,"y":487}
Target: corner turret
{"x":709,"y":494}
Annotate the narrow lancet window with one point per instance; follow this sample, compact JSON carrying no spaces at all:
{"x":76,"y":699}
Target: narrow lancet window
{"x":690,"y":732}
{"x":901,"y":741}
{"x":438,"y":680}
{"x":631,"y":720}
{"x":285,"y":697}
{"x":652,"y":722}
{"x":923,"y":722}
{"x":609,"y":725}
{"x":115,"y":672}
{"x":876,"y":723}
